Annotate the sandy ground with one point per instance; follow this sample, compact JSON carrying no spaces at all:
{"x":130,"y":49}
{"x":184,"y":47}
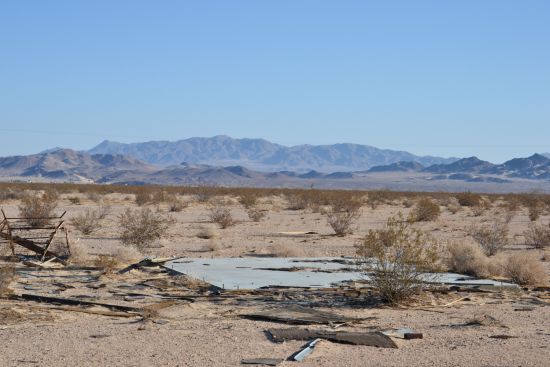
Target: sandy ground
{"x":206,"y":333}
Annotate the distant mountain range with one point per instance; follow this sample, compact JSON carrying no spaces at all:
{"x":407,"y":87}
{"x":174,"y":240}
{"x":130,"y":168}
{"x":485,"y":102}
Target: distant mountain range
{"x":535,"y":167}
{"x":69,"y":165}
{"x":519,"y":174}
{"x":262,"y":155}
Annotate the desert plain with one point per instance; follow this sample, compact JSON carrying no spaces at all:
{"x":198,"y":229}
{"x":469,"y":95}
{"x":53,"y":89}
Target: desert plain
{"x":186,"y":323}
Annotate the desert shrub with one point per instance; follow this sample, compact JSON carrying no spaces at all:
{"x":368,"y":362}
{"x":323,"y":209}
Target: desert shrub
{"x":160,"y":196}
{"x":142,"y":198}
{"x":468,"y":199}
{"x":10,"y":194}
{"x":37,"y":208}
{"x":213,"y":245}
{"x":248,"y":199}
{"x":203,"y":194}
{"x":177,"y":205}
{"x":408,"y":203}
{"x":141,"y":227}
{"x":343,"y":213}
{"x":296,"y":202}
{"x":400,"y":254}
{"x":478,"y":210}
{"x":492,"y":237}
{"x":74,"y":200}
{"x":103,"y":211}
{"x":78,"y":254}
{"x":222,"y":216}
{"x":537,"y":235}
{"x":127,"y":255}
{"x":342,"y":222}
{"x":108,"y":263}
{"x":469,"y":259}
{"x":207,"y":232}
{"x":425,"y":210}
{"x":86,"y":222}
{"x":255,"y":214}
{"x":286,"y":250}
{"x":535,"y":209}
{"x":7,"y":276}
{"x":525,"y":269}
{"x":453,"y":208}
{"x":511,"y":205}
{"x":94,"y":196}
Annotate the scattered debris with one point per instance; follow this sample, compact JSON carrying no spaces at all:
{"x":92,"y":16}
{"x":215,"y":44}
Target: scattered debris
{"x":38,"y":239}
{"x":294,"y":314}
{"x":306,"y":351}
{"x":72,"y":302}
{"x":484,"y":320}
{"x":503,"y":336}
{"x":524,"y":308}
{"x":373,"y":339}
{"x":147,"y":262}
{"x":262,"y":361}
{"x":404,"y":333}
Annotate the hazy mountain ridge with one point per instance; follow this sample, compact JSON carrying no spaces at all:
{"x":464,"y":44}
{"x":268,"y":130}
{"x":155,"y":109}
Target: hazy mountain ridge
{"x":262,"y":155}
{"x":531,"y":173}
{"x":67,"y":164}
{"x":535,"y":167}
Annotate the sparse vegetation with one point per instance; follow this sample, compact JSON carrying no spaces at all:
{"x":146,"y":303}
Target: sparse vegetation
{"x":74,"y":200}
{"x":400,"y":253}
{"x":492,"y":237}
{"x":141,"y":227}
{"x":177,"y":205}
{"x":142,"y":198}
{"x":87,"y":222}
{"x":525,"y":269}
{"x":207,"y":232}
{"x":286,"y":250}
{"x":344,"y":211}
{"x":255,"y":214}
{"x":535,"y":209}
{"x":248,"y":199}
{"x":296,"y":202}
{"x":7,"y":276}
{"x":538,"y":236}
{"x":468,"y":258}
{"x":222,"y":216}
{"x":213,"y":245}
{"x":108,"y":263}
{"x":425,"y":210}
{"x":37,"y":208}
{"x":468,"y":199}
{"x":9,"y":194}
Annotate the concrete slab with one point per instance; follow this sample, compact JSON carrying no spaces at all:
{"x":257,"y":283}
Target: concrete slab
{"x":260,"y":272}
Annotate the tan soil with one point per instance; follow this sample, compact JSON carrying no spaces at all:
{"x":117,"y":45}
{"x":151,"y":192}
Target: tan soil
{"x":209,"y":334}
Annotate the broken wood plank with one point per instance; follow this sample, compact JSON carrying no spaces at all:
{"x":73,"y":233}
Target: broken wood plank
{"x":71,"y":302}
{"x":403,"y":333}
{"x":94,"y":312}
{"x":295,"y":314}
{"x":373,"y":339}
{"x":262,"y":361}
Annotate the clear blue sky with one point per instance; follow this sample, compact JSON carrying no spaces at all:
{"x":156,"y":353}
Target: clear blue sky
{"x":450,"y":78}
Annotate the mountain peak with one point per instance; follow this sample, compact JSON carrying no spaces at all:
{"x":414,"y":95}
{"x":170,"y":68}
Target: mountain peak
{"x":262,"y":155}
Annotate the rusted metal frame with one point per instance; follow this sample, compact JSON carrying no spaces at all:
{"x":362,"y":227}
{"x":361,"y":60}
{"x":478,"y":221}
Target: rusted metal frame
{"x":30,"y":245}
{"x":49,"y":242}
{"x":67,"y":239}
{"x":20,"y":218}
{"x":9,"y":237}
